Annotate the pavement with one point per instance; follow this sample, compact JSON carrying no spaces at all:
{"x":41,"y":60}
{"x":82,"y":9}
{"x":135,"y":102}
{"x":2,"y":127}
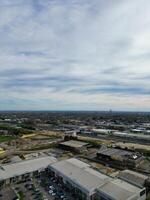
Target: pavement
{"x":7,"y":194}
{"x":45,"y":193}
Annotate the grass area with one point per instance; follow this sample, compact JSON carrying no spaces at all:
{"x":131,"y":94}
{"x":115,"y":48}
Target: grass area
{"x":92,"y":141}
{"x":4,"y":138}
{"x":21,"y":195}
{"x":15,"y":130}
{"x":148,"y":196}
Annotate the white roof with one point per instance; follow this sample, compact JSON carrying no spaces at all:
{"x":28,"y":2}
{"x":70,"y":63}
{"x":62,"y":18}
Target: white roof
{"x":101,"y":130}
{"x":119,"y":190}
{"x":80,"y":173}
{"x":142,"y":136}
{"x":74,"y":143}
{"x":23,"y":167}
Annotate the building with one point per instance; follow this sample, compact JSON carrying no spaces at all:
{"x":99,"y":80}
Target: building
{"x":79,"y":177}
{"x":117,"y":189}
{"x":89,"y":184}
{"x":74,"y":145}
{"x":22,"y":170}
{"x":132,"y":136}
{"x":120,"y":157}
{"x":103,"y":131}
{"x":72,"y":133}
{"x":135,"y":178}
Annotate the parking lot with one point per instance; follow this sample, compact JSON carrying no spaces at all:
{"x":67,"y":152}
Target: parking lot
{"x":30,"y":191}
{"x":55,"y":189}
{"x":44,"y":187}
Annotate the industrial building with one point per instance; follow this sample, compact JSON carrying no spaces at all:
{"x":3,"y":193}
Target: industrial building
{"x":22,"y":170}
{"x":135,"y":178}
{"x":117,"y":189}
{"x":103,"y":131}
{"x":143,"y":137}
{"x":74,"y":145}
{"x":120,"y":157}
{"x":90,"y":184}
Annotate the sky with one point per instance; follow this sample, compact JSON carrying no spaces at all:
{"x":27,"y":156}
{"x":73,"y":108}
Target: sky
{"x":75,"y":55}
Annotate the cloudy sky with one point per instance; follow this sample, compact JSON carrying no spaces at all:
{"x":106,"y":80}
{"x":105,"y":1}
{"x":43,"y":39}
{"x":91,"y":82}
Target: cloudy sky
{"x":75,"y":55}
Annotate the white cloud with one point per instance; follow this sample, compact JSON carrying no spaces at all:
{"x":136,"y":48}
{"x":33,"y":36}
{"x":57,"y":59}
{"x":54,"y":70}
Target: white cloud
{"x":78,"y":52}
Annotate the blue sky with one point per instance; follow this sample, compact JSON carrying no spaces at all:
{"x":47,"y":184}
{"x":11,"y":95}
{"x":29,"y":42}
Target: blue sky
{"x":75,"y":55}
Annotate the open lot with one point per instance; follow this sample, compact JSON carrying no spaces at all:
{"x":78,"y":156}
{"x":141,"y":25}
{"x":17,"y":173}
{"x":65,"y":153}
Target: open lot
{"x":133,"y":146}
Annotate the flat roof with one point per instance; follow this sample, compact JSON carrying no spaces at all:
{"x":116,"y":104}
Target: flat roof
{"x":90,"y":180}
{"x":23,"y":167}
{"x":133,"y":177}
{"x":80,"y":173}
{"x":129,"y":135}
{"x":101,"y":130}
{"x":114,"y":151}
{"x":119,"y":190}
{"x":74,"y":143}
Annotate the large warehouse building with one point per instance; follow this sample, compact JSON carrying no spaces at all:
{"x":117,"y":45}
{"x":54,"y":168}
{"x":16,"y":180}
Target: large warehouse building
{"x":135,"y":178}
{"x":120,"y":157}
{"x":117,"y":189}
{"x":22,"y":170}
{"x":89,"y":184}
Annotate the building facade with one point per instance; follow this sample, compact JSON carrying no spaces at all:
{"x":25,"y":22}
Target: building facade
{"x":89,"y":184}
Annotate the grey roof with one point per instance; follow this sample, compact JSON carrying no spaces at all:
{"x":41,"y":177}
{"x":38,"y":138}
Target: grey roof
{"x":90,"y":180}
{"x":74,"y":143}
{"x":23,"y":167}
{"x":80,"y":173}
{"x":119,"y":190}
{"x":113,"y":152}
{"x":133,"y":177}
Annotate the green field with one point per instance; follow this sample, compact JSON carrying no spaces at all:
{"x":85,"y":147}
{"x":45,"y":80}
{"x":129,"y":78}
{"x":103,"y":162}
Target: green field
{"x":4,"y":138}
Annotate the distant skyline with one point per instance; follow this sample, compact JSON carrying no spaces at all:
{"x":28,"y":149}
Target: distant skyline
{"x":75,"y":55}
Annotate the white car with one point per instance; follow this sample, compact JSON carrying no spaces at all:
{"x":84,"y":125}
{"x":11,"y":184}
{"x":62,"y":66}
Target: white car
{"x":51,"y":187}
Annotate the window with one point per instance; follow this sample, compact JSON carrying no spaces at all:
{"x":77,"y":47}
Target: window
{"x":142,"y":193}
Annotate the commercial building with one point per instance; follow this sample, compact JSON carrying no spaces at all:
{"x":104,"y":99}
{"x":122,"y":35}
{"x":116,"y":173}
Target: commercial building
{"x":79,"y":177}
{"x":135,"y":178}
{"x":117,"y":189}
{"x":120,"y":157}
{"x":90,"y":184}
{"x":74,"y":145}
{"x":22,"y":170}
